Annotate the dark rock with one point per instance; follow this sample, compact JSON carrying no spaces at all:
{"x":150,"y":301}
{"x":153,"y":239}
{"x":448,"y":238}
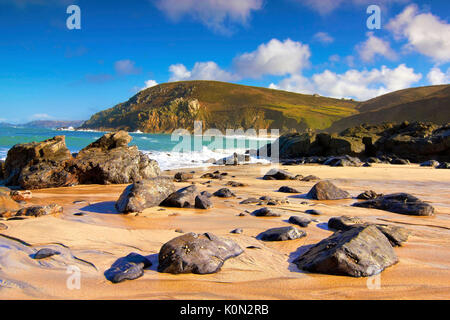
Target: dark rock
{"x":402,"y":203}
{"x":368,"y":195}
{"x":396,"y":235}
{"x":45,"y":253}
{"x":110,"y":161}
{"x":236,"y":184}
{"x":282,"y":234}
{"x":237,"y":231}
{"x":325,"y":190}
{"x":277,"y":174}
{"x":343,"y":161}
{"x":199,"y":254}
{"x":249,"y":201}
{"x":314,"y":212}
{"x":206,"y":194}
{"x":183,"y":176}
{"x":224,"y":193}
{"x":300,"y":221}
{"x":203,"y":202}
{"x":310,"y":178}
{"x":430,"y":163}
{"x":242,"y":214}
{"x":39,"y":211}
{"x":361,"y":251}
{"x":367,"y":165}
{"x":444,"y":165}
{"x":286,"y":189}
{"x":400,"y":161}
{"x":265,"y":212}
{"x":127,"y":268}
{"x":145,"y":194}
{"x":183,"y":198}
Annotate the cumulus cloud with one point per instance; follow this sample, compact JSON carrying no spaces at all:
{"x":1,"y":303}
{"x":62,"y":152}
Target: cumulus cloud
{"x":436,"y":76}
{"x":327,"y":6}
{"x":274,"y":58}
{"x":424,"y":32}
{"x":201,"y":71}
{"x":374,"y":46}
{"x":149,"y":84}
{"x":361,"y":85}
{"x":126,"y":67}
{"x":323,"y":37}
{"x":213,"y":13}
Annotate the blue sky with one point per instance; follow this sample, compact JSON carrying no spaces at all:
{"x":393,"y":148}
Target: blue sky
{"x":310,"y":46}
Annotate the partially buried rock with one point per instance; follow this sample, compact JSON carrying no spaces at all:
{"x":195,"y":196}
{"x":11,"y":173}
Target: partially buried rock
{"x":277,"y":174}
{"x":368,"y":195}
{"x":396,"y":235}
{"x":325,"y":190}
{"x":362,"y":251}
{"x":39,"y":211}
{"x":265,"y":212}
{"x":45,"y":253}
{"x":310,"y":178}
{"x":183,"y":176}
{"x":127,"y":268}
{"x":286,"y":189}
{"x":249,"y":201}
{"x":314,"y":212}
{"x":300,"y":221}
{"x":237,"y":231}
{"x":145,"y":194}
{"x":199,"y":254}
{"x":7,"y":205}
{"x":402,"y":203}
{"x":430,"y":163}
{"x":236,"y":184}
{"x":282,"y":234}
{"x":183,"y":198}
{"x":224,"y":193}
{"x":203,"y":202}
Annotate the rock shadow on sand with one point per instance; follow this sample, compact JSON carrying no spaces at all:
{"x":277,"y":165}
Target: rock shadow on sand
{"x":294,"y":255}
{"x":107,"y":207}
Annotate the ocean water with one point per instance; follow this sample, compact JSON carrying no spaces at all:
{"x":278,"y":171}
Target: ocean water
{"x":170,"y":152}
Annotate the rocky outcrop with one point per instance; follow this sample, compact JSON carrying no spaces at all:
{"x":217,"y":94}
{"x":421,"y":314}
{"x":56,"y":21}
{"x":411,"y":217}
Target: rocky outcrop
{"x":199,"y":254}
{"x":145,"y":194}
{"x":49,"y":163}
{"x":361,"y":251}
{"x":415,"y":142}
{"x":325,"y":190}
{"x":402,"y":203}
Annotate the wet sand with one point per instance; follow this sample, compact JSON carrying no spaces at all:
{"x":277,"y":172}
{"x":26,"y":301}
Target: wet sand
{"x":92,"y":242}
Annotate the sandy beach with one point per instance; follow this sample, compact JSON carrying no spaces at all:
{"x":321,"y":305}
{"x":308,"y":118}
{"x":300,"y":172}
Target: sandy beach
{"x":93,"y":241}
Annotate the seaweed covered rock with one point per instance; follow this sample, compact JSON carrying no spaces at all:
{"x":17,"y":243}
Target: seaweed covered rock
{"x":145,"y":194}
{"x":199,"y":254}
{"x":361,"y":251}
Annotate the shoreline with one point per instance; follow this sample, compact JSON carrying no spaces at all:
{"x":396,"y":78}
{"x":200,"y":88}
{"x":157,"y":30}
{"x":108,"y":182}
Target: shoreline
{"x":101,"y":236}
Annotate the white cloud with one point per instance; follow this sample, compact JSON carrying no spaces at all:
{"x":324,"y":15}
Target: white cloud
{"x":327,"y":6}
{"x":436,"y":76}
{"x":425,"y":33}
{"x":149,"y":84}
{"x":374,"y":46}
{"x":361,"y":85}
{"x":323,"y":37}
{"x":201,"y":71}
{"x":126,"y":67}
{"x":40,"y":116}
{"x":212,"y":13}
{"x":274,"y":58}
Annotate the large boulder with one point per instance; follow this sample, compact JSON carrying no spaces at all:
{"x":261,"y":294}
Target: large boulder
{"x":183,"y":198}
{"x":402,"y":203}
{"x":199,"y":254}
{"x":145,"y":194}
{"x":325,"y":190}
{"x":38,"y":165}
{"x":361,"y":251}
{"x":110,"y":161}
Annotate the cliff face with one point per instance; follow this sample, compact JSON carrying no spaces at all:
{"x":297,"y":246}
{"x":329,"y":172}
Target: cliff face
{"x":170,"y":106}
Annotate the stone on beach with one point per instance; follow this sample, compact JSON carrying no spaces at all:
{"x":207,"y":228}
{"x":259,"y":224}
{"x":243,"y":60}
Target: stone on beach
{"x":287,"y":189}
{"x":265,"y":212}
{"x":198,"y":254}
{"x":39,"y":211}
{"x":7,"y":205}
{"x":145,"y":194}
{"x":402,"y":203}
{"x":45,"y":253}
{"x":325,"y":190}
{"x":127,"y":268}
{"x":183,"y":198}
{"x":224,"y":193}
{"x":282,"y":234}
{"x":203,"y":202}
{"x":362,"y":251}
{"x":278,"y":174}
{"x":300,"y":221}
{"x":183,"y":176}
{"x":368,"y":195}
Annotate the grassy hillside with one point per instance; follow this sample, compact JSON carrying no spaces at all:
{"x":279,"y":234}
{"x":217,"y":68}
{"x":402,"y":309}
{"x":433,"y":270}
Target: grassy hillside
{"x":169,"y":106}
{"x":415,"y":104}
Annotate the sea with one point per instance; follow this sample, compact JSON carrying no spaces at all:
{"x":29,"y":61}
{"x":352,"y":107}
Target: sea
{"x":171,"y":151}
